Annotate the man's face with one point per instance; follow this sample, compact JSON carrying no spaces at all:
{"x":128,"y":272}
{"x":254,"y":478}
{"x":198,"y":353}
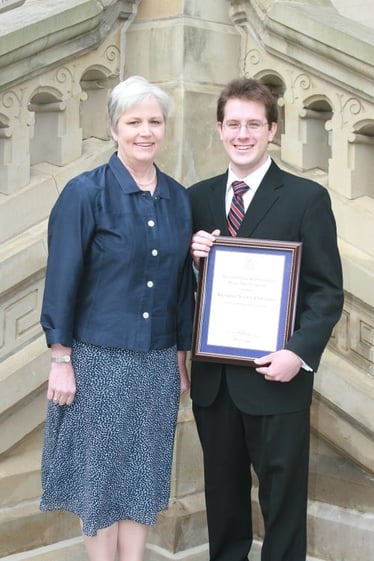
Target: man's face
{"x":245,"y":135}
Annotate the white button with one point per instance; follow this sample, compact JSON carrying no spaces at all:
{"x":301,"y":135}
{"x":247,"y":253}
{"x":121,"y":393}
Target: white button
{"x":150,"y":284}
{"x":145,"y":315}
{"x":154,"y":252}
{"x":151,"y":223}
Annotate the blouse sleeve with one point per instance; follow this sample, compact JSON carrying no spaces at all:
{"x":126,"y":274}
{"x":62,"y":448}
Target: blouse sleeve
{"x":70,"y":229}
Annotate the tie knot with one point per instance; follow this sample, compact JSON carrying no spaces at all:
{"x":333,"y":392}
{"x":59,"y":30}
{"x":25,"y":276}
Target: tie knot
{"x":239,"y":188}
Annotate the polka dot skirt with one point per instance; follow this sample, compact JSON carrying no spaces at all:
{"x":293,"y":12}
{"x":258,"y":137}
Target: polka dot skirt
{"x":108,"y":456}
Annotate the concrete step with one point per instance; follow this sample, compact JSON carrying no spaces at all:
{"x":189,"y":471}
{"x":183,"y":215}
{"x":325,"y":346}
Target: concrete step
{"x":22,"y":393}
{"x":334,"y":534}
{"x":20,"y":470}
{"x":341,"y":510}
{"x":336,"y":480}
{"x":23,"y":528}
{"x":73,"y":550}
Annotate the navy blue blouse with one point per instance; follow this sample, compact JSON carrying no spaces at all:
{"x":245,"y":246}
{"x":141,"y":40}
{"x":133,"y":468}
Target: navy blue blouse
{"x":119,"y":272}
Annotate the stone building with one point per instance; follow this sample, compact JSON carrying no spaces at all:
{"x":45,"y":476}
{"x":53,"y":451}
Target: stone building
{"x":58,"y":60}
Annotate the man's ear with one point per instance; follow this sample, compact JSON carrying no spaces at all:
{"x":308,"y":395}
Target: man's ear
{"x":219,"y":129}
{"x":272,"y":131}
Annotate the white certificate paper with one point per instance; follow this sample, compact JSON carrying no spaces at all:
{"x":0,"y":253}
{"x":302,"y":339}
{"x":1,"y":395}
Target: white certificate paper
{"x":246,"y":296}
{"x":246,"y":299}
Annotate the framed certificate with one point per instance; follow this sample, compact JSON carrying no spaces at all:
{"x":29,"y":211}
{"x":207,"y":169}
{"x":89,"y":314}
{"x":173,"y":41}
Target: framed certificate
{"x":246,"y":299}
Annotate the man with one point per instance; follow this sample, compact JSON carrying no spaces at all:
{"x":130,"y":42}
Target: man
{"x":259,"y":416}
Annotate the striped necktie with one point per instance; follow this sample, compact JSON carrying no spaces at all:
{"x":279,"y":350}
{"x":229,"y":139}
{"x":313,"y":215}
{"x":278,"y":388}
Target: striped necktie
{"x":236,"y":212}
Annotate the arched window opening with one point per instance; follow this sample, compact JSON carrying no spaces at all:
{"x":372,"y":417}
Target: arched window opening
{"x":93,"y":113}
{"x":56,"y":137}
{"x":361,"y":159}
{"x":316,"y":140}
{"x":277,"y":88}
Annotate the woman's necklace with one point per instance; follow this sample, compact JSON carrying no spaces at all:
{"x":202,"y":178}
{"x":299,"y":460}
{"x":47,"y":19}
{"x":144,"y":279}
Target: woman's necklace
{"x":149,"y":182}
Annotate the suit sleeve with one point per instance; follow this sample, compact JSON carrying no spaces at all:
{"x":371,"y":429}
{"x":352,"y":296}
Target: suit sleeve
{"x":321,"y":296}
{"x":185,"y":306}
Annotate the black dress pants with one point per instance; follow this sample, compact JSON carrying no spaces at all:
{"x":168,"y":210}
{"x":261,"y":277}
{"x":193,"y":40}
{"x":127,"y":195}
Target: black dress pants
{"x":277,"y":446}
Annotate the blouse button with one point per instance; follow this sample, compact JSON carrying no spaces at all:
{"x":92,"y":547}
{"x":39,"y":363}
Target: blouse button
{"x":145,"y":315}
{"x":151,"y":223}
{"x":149,"y":284}
{"x":154,"y":252}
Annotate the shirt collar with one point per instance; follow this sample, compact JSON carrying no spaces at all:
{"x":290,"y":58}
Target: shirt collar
{"x":128,"y":184}
{"x":253,"y":179}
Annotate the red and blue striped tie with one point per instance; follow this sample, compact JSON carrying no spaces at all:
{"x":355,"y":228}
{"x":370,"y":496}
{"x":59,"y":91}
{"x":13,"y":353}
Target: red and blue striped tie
{"x":236,"y":212}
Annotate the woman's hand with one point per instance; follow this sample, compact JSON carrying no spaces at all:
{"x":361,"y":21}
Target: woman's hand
{"x":61,"y":383}
{"x":184,"y":380}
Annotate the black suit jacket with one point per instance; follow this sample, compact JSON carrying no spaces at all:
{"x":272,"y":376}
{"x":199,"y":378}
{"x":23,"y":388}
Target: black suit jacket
{"x":288,"y":208}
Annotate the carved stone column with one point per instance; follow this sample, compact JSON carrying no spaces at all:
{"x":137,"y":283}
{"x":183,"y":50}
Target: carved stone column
{"x":178,"y":44}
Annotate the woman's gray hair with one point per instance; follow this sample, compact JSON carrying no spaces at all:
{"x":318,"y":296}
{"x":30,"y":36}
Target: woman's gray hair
{"x":131,"y":92}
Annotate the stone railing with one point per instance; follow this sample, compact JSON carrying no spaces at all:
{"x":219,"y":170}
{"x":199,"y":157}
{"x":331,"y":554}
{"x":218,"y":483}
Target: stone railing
{"x":6,"y":5}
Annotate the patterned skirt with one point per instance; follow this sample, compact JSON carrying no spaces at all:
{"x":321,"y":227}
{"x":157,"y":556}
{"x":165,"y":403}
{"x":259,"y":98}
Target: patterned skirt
{"x":108,"y":456}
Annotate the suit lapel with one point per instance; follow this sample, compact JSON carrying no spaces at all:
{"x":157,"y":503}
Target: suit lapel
{"x":217,"y":203}
{"x":264,"y":198}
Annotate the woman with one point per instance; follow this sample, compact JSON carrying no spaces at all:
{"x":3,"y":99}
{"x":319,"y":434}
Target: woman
{"x":117,"y":314}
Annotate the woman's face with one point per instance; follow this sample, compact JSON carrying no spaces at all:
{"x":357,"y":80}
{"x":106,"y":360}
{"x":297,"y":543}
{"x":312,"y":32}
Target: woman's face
{"x":140,"y":133}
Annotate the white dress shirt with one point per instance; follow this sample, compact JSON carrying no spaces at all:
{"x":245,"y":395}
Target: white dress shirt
{"x":253,"y":181}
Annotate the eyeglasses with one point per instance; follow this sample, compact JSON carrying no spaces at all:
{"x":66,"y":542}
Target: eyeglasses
{"x":235,"y":126}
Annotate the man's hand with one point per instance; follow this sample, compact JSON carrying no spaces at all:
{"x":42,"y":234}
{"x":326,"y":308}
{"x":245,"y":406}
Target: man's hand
{"x":201,"y":243}
{"x":280,"y":366}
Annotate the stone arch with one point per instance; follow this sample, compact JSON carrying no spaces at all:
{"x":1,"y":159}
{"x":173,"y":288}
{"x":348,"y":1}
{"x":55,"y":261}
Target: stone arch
{"x":315,"y":138}
{"x":277,"y":86}
{"x":96,"y":82}
{"x":361,"y":158}
{"x":45,"y":104}
{"x":56,"y":137}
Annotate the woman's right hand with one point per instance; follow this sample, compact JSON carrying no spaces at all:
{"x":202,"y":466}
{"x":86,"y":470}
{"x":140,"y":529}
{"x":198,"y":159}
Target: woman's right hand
{"x":61,"y":383}
{"x":201,"y":243}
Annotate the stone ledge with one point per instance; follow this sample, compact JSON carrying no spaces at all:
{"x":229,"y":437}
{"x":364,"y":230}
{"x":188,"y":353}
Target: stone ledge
{"x":24,"y":527}
{"x":22,"y":392}
{"x":23,"y":419}
{"x":181,"y":527}
{"x":326,"y":29}
{"x":32,"y":204}
{"x":58,"y":30}
{"x":23,"y":373}
{"x":23,"y":256}
{"x":73,"y":550}
{"x":330,"y":475}
{"x":358,"y":266}
{"x":342,"y":411}
{"x":20,"y":470}
{"x":27,"y":207}
{"x":338,"y":533}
